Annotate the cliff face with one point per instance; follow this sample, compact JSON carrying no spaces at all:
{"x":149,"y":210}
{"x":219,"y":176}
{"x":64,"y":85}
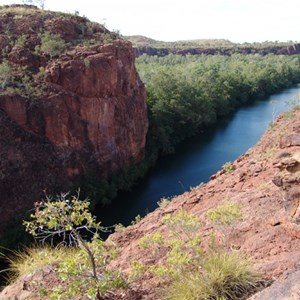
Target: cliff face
{"x":79,"y":111}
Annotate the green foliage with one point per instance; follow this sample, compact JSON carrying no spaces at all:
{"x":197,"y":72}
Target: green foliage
{"x":20,"y":41}
{"x":61,"y":215}
{"x":86,"y":271}
{"x":5,"y":74}
{"x":51,"y":44}
{"x":182,"y":223}
{"x":180,"y":243}
{"x":75,"y":272}
{"x":188,"y":93}
{"x":223,"y":275}
{"x":163,"y":202}
{"x":103,"y":191}
{"x":136,"y":220}
{"x":186,"y":271}
{"x":137,"y":270}
{"x":226,"y":213}
{"x":119,"y":227}
{"x":17,"y":79}
{"x":228,"y":167}
{"x":219,"y":44}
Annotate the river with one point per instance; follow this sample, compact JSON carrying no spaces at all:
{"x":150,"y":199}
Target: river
{"x":198,"y":158}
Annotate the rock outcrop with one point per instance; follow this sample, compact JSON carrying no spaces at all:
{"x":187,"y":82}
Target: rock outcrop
{"x":65,"y":115}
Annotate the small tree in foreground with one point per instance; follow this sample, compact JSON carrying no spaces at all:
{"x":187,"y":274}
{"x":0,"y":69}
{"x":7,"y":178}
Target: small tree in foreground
{"x":68,"y":217}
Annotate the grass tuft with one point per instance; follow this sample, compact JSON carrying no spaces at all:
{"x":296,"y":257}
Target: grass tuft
{"x":33,"y":259}
{"x":223,"y":275}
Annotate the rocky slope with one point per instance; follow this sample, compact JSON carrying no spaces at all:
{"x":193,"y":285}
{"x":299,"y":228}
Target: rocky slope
{"x":71,"y":103}
{"x":265,"y":183}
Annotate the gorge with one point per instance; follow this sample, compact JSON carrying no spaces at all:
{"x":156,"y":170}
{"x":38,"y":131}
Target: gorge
{"x":198,"y":158}
{"x":72,"y":104}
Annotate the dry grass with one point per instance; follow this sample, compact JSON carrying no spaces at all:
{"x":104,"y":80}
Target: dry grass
{"x":34,"y":259}
{"x":223,"y":275}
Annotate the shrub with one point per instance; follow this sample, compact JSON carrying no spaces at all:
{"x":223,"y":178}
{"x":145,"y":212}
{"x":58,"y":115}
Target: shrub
{"x":85,"y":272}
{"x":163,"y":202}
{"x":226,"y":213}
{"x":51,"y":44}
{"x":228,"y":167}
{"x":5,"y":74}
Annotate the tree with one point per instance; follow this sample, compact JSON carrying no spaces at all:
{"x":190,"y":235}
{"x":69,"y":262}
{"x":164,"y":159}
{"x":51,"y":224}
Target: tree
{"x":40,"y":3}
{"x":51,"y":44}
{"x":66,"y":217}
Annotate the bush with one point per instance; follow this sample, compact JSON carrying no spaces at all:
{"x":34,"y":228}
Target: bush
{"x":85,"y":272}
{"x":228,"y":167}
{"x":226,"y":213}
{"x":51,"y":44}
{"x":5,"y":74}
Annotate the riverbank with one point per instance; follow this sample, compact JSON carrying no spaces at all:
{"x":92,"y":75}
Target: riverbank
{"x":197,"y":158}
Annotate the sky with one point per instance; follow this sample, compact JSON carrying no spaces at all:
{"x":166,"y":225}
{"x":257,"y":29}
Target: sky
{"x":171,"y":20}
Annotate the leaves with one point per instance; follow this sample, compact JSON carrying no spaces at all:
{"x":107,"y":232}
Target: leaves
{"x":62,"y":216}
{"x":188,"y":93}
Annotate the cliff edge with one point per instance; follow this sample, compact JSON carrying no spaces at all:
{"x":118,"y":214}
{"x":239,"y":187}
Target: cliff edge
{"x":71,"y":103}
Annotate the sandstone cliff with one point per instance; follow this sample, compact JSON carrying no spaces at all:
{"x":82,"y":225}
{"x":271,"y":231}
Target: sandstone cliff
{"x":71,"y":102}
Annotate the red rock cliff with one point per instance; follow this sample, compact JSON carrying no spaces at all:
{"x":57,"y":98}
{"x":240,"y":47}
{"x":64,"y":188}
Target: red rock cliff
{"x":91,"y":115}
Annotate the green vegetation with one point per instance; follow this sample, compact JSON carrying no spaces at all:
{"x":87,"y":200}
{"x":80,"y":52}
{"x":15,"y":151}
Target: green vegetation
{"x":5,"y":74}
{"x":142,"y":41}
{"x":84,"y":272}
{"x":24,"y":56}
{"x":223,"y":275}
{"x":228,"y":167}
{"x":186,"y":270}
{"x":189,"y":93}
{"x":226,"y":213}
{"x":163,"y":202}
{"x":51,"y":44}
{"x":80,"y":267}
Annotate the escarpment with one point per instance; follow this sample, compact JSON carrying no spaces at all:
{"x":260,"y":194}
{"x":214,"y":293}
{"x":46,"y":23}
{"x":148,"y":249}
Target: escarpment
{"x":71,"y":103}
